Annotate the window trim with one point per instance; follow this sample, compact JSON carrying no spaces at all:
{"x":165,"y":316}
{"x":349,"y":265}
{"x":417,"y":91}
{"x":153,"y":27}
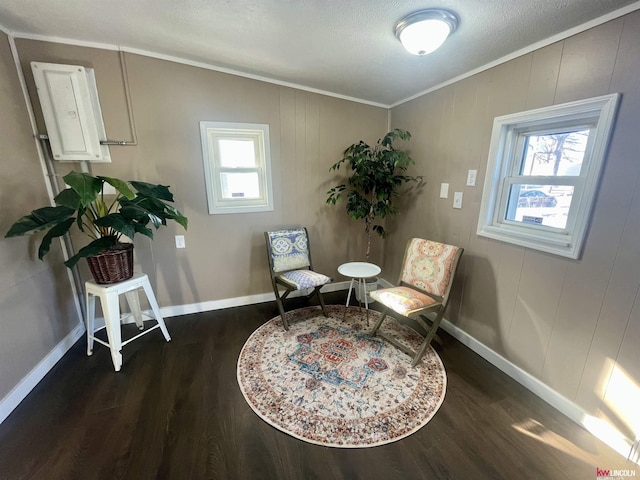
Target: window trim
{"x":505,"y":156}
{"x":209,"y":131}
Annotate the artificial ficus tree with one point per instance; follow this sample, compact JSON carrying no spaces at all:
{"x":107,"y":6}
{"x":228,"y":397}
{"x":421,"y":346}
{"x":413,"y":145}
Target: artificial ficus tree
{"x":375,"y":177}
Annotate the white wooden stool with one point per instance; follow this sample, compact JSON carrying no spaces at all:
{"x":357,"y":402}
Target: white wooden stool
{"x":109,"y":299}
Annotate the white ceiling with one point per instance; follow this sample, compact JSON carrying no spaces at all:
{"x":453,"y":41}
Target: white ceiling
{"x":343,"y":47}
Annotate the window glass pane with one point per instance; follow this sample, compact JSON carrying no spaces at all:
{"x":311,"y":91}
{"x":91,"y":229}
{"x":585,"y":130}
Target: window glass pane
{"x":240,"y":185}
{"x":237,"y":153}
{"x":557,"y":154}
{"x":546,"y":205}
{"x":557,"y":151}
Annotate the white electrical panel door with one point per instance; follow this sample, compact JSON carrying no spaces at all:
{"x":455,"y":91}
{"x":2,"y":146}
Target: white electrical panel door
{"x":69,"y":100}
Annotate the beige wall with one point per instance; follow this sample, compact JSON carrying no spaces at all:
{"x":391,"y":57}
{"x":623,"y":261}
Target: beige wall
{"x":225,"y":255}
{"x":572,"y":324}
{"x":569,"y":323}
{"x":36,"y":303}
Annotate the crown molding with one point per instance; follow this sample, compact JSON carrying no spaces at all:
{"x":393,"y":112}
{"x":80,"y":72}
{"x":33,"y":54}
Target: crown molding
{"x":528,"y":49}
{"x":192,"y":63}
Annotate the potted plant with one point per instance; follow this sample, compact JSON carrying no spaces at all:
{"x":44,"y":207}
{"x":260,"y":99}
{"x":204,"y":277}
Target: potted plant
{"x":376,"y":174}
{"x":104,"y":218}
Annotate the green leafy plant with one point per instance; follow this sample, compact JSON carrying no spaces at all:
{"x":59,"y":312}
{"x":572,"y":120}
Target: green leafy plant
{"x":104,"y":218}
{"x":377,"y":173}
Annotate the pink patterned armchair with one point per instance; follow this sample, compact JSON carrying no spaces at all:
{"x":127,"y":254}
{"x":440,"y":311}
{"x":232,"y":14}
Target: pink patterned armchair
{"x":425,"y":282}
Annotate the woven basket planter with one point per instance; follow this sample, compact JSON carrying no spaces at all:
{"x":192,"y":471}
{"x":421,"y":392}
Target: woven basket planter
{"x":113,"y":265}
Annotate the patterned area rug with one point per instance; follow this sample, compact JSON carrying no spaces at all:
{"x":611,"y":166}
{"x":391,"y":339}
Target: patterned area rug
{"x":327,"y":382}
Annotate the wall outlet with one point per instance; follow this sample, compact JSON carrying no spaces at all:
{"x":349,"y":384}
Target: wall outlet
{"x":457,"y":200}
{"x":180,"y":243}
{"x":444,"y":190}
{"x":471,"y":178}
{"x":108,"y":189}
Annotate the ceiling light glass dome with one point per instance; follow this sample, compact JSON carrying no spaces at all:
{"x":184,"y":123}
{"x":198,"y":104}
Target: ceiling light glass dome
{"x":423,"y":32}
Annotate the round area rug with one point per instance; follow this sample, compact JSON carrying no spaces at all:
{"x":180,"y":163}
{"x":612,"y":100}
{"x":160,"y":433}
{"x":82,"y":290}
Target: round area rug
{"x":327,"y":382}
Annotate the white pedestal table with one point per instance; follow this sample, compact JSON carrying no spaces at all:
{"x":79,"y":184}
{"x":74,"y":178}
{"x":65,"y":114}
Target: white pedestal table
{"x":359,"y":271}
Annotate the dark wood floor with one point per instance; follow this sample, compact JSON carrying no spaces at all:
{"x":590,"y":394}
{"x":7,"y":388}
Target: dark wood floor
{"x":175,"y":412}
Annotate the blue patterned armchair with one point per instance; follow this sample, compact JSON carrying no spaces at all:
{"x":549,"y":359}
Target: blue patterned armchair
{"x":290,"y":266}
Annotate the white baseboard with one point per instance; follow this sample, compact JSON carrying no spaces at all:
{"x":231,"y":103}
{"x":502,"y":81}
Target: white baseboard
{"x":611,"y":437}
{"x":542,"y":390}
{"x":614,"y":439}
{"x":22,"y":389}
{"x":527,"y":380}
{"x":601,"y":430}
{"x":175,"y":310}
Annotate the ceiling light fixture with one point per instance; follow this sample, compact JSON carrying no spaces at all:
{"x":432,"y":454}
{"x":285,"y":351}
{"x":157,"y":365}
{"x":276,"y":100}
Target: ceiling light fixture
{"x":423,"y":32}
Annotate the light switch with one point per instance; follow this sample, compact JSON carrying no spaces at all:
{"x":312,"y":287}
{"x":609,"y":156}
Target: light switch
{"x":471,"y":178}
{"x":180,"y":243}
{"x":444,"y":190}
{"x":457,"y":200}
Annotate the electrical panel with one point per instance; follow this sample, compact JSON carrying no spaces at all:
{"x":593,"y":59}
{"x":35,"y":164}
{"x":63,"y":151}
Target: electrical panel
{"x":71,"y":109}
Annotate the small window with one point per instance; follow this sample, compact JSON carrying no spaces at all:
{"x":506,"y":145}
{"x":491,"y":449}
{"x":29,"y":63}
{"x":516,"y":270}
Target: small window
{"x":237,"y":167}
{"x":542,"y":174}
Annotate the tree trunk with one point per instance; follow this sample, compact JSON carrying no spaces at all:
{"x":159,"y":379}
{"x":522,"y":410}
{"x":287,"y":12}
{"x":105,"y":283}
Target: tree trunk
{"x":366,"y":255}
{"x":557,"y":153}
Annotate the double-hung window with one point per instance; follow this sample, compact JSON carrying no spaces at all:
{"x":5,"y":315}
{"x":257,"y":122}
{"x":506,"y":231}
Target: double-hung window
{"x":237,"y":167}
{"x":543,"y":172}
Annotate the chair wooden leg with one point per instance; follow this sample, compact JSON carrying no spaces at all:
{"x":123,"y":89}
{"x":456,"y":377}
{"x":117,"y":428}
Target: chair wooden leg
{"x":377,"y":326}
{"x":321,"y":300}
{"x":420,"y":353}
{"x":280,"y":303}
{"x":427,"y":340}
{"x":281,"y":310}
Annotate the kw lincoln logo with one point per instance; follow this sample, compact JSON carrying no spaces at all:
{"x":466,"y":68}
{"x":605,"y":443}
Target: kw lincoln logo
{"x":606,"y":474}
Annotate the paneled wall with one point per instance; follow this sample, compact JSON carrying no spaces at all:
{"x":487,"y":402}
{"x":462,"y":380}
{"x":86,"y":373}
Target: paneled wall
{"x":225,"y":256}
{"x":37,"y":309}
{"x":575,"y":325}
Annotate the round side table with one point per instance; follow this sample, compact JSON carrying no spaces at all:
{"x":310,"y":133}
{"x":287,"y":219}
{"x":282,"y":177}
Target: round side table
{"x":359,"y":271}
